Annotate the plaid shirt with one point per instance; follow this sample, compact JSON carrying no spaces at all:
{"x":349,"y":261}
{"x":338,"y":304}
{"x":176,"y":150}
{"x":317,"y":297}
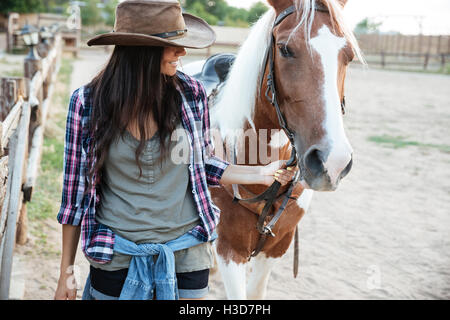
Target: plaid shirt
{"x":205,"y":169}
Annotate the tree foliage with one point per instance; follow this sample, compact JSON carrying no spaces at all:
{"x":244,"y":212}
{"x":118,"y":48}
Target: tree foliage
{"x":95,"y":11}
{"x":21,"y":6}
{"x":367,"y":26}
{"x":219,"y":12}
{"x":256,"y":11}
{"x":91,"y":14}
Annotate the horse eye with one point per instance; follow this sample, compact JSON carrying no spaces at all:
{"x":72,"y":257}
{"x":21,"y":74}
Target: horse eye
{"x":285,"y":50}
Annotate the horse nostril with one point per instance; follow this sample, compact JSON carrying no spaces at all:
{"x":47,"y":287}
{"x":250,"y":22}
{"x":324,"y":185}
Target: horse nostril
{"x":347,"y":169}
{"x":314,"y":160}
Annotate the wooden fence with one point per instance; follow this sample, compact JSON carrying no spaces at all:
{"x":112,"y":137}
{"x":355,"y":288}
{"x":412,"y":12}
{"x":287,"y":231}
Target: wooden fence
{"x":24,"y":104}
{"x":409,"y":50}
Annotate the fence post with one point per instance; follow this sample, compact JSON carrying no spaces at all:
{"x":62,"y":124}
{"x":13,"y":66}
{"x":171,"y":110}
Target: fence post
{"x":427,"y":58}
{"x":10,"y":89}
{"x":32,"y":66}
{"x":18,"y":145}
{"x":13,"y":24}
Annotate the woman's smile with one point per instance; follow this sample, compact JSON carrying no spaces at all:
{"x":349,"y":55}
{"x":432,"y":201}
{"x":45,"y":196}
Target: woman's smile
{"x":170,"y":60}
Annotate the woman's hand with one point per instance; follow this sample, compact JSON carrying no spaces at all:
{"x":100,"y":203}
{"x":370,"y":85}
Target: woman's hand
{"x":275,"y":171}
{"x":67,"y":287}
{"x":67,"y":284}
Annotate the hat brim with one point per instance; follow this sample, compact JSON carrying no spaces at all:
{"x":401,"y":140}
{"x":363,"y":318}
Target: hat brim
{"x":199,"y":35}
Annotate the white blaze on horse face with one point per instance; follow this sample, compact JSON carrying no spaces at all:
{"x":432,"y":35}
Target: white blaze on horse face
{"x":328,"y":46}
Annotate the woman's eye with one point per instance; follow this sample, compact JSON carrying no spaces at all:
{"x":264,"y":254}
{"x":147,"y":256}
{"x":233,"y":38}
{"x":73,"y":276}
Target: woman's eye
{"x":285,"y":51}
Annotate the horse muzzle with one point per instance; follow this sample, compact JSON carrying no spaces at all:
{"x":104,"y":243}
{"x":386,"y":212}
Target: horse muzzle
{"x":322,"y":172}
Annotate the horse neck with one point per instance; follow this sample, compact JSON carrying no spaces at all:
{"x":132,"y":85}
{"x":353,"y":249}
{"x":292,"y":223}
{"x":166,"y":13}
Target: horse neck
{"x":263,"y":119}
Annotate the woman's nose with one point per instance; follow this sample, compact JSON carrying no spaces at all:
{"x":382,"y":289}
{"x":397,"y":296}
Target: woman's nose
{"x":181,"y":52}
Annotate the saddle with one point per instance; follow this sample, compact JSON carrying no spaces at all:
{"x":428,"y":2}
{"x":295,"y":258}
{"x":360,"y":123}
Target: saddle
{"x":215,"y":71}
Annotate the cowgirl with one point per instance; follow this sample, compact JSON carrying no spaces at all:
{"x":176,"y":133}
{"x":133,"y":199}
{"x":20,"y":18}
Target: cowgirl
{"x":146,"y":221}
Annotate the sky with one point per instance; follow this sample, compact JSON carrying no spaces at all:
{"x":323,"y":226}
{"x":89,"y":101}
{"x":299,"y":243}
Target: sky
{"x":406,"y":16}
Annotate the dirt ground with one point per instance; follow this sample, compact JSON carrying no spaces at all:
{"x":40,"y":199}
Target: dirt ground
{"x":383,"y":234}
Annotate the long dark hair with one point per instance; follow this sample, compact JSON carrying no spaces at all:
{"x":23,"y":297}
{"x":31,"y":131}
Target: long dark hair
{"x":131,"y":89}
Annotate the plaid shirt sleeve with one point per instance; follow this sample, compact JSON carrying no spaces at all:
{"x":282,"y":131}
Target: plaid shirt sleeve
{"x":70,"y":211}
{"x":214,"y":166}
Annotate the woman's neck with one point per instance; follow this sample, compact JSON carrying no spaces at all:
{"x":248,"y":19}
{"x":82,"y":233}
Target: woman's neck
{"x":150,"y":131}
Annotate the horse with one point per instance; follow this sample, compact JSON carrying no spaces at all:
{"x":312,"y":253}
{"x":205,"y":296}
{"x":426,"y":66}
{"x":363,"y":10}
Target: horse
{"x":303,"y":49}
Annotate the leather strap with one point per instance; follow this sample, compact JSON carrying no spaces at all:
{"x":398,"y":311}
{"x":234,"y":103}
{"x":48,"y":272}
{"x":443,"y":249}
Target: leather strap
{"x":266,"y":229}
{"x":170,"y":34}
{"x":296,"y":252}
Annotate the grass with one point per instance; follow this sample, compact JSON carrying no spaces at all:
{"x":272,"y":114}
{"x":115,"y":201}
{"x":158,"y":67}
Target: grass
{"x":401,"y":142}
{"x":15,"y":68}
{"x":13,"y":73}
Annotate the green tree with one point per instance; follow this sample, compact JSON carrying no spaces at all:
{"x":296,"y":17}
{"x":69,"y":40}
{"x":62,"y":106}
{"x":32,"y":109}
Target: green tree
{"x":214,"y":11}
{"x":110,"y":12}
{"x":219,"y":8}
{"x":367,"y":26}
{"x":21,"y":6}
{"x":56,"y":6}
{"x":237,"y":14}
{"x":256,"y":11}
{"x":91,"y":14}
{"x":198,"y":9}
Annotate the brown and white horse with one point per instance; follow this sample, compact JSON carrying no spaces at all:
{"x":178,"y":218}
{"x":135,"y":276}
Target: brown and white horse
{"x":312,"y":49}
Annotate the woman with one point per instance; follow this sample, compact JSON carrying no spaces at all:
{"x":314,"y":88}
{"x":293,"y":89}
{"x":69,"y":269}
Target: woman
{"x":146,"y":220}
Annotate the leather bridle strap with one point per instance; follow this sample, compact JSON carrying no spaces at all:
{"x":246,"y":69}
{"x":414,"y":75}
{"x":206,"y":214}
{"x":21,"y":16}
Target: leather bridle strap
{"x":271,"y":78}
{"x":266,"y":229}
{"x":270,"y":193}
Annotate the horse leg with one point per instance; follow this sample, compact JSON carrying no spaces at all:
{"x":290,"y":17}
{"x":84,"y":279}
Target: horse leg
{"x":260,"y":269}
{"x":233,"y":277}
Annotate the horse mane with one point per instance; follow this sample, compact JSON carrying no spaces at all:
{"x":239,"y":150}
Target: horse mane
{"x":235,"y":103}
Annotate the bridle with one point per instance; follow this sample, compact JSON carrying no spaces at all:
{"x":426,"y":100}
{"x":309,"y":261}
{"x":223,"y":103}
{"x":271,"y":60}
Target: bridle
{"x":270,"y":194}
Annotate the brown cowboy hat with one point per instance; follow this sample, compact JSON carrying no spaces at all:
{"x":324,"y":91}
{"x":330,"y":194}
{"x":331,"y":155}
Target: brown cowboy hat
{"x":156,"y":23}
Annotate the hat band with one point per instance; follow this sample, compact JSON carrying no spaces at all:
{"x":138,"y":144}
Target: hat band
{"x":170,"y":34}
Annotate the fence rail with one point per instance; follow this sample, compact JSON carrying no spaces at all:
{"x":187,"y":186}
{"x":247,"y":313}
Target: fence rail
{"x":411,"y":50}
{"x":24,"y":104}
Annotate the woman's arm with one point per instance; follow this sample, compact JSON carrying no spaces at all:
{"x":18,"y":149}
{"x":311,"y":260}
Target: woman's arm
{"x":70,"y":212}
{"x":239,"y":174}
{"x":67,"y":286}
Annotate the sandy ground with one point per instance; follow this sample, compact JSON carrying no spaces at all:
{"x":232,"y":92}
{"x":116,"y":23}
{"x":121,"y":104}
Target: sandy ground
{"x":383,"y":234}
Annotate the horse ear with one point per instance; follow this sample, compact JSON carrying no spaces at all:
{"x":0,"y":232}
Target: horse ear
{"x":343,"y":2}
{"x":280,"y":4}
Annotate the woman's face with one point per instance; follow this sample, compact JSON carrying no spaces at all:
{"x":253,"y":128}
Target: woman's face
{"x":169,"y":61}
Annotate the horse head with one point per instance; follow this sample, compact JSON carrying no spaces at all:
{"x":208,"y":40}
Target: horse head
{"x":312,"y":49}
